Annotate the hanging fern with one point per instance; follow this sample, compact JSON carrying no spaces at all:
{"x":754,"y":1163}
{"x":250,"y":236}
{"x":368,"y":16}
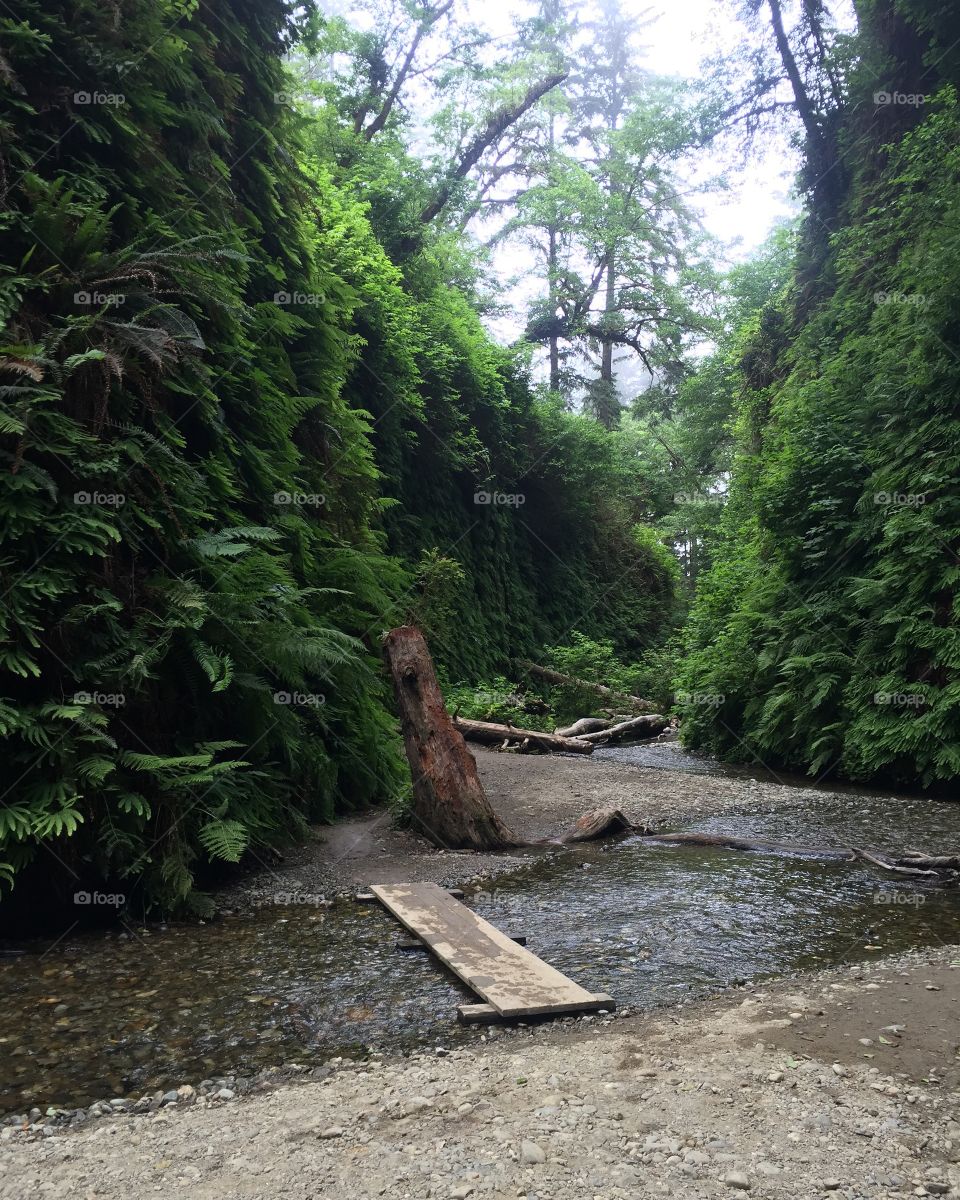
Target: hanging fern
{"x":225,"y":840}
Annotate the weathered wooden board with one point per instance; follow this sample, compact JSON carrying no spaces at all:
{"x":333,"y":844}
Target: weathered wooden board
{"x":514,"y":982}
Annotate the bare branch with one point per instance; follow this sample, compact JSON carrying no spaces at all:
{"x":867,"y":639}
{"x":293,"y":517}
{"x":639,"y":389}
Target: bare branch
{"x":494,"y":129}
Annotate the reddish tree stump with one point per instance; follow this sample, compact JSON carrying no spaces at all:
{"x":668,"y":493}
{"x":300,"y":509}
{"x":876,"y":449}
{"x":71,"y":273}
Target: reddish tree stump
{"x":450,"y":807}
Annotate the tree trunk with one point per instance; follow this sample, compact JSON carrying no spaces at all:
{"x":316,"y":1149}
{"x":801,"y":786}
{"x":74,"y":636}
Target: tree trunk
{"x":554,"y":340}
{"x":450,"y":807}
{"x":552,"y":264}
{"x":609,"y":308}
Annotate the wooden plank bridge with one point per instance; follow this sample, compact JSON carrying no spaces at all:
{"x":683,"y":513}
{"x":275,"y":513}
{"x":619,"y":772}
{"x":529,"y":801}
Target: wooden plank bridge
{"x":512,"y":982}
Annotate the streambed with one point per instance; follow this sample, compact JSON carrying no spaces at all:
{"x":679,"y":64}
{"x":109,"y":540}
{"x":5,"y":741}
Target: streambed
{"x":98,"y":1016}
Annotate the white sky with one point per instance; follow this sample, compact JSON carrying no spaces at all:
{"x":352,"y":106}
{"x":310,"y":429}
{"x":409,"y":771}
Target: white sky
{"x":684,"y":33}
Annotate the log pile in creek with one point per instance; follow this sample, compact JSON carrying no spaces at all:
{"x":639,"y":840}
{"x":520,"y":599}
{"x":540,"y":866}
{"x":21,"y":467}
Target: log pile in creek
{"x":524,"y":740}
{"x":578,"y":738}
{"x":636,"y":729}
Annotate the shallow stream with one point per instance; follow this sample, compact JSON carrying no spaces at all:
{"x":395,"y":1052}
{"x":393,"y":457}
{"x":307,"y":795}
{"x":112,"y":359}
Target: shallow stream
{"x":98,"y":1016}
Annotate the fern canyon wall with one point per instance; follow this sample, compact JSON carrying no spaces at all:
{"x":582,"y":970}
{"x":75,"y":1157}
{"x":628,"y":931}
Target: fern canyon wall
{"x":250,"y":420}
{"x":828,"y":623}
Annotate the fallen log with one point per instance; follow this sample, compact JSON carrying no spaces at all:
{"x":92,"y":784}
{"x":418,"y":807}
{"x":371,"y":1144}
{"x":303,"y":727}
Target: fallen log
{"x":637,"y":703}
{"x":945,"y":874}
{"x":914,"y":858}
{"x":636,"y":728}
{"x":729,"y":842}
{"x":584,"y":725}
{"x":491,"y":732}
{"x":449,"y":806}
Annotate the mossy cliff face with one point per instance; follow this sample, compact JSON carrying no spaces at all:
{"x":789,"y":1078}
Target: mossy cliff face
{"x":825,"y":636}
{"x":231,"y":426}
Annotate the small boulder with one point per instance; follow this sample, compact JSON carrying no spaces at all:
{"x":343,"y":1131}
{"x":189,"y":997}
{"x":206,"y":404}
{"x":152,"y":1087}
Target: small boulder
{"x":531,"y":1154}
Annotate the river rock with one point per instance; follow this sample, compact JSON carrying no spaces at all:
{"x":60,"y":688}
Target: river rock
{"x":531,"y":1154}
{"x":737,"y":1179}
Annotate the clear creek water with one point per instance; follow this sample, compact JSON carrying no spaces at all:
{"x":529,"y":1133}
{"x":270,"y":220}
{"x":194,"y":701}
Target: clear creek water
{"x":97,"y":1016}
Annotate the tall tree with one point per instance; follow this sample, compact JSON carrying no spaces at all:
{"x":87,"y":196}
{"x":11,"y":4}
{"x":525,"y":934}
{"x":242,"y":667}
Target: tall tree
{"x":615,"y":241}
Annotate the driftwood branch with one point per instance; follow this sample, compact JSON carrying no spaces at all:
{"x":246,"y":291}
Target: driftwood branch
{"x":895,"y":867}
{"x":490,"y":732}
{"x":635,"y":729}
{"x":608,"y":822}
{"x":902,"y":865}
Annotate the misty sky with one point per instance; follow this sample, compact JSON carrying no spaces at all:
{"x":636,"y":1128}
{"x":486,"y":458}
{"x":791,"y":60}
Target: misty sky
{"x":680,"y":33}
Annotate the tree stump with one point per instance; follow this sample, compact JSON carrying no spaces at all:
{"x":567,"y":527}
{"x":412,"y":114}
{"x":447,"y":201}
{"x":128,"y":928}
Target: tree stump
{"x":450,"y":807}
{"x":600,"y":823}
